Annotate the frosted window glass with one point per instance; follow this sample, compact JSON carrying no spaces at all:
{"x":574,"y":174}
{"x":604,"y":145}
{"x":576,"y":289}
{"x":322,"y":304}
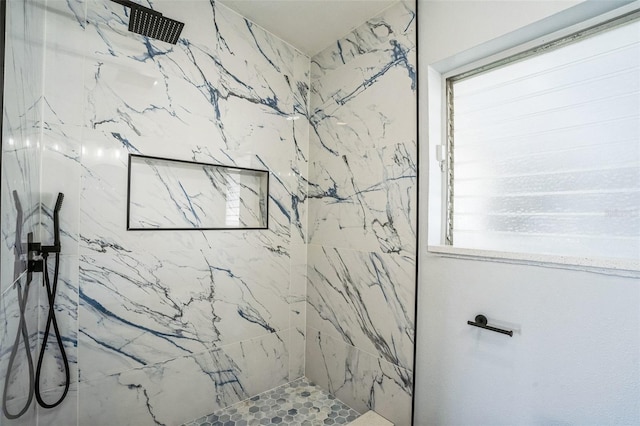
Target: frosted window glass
{"x":547,"y":151}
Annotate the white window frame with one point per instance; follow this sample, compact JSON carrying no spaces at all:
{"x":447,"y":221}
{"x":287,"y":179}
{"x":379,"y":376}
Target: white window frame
{"x":438,"y":151}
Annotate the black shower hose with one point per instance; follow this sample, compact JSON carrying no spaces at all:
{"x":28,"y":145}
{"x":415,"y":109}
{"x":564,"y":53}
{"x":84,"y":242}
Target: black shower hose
{"x":51,"y":319}
{"x":24,"y":333}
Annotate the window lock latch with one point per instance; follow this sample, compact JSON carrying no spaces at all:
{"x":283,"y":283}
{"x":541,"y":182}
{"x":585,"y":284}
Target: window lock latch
{"x":441,"y":156}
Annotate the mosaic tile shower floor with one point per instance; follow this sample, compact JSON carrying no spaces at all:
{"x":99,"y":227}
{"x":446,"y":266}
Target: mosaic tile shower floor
{"x":299,"y":403}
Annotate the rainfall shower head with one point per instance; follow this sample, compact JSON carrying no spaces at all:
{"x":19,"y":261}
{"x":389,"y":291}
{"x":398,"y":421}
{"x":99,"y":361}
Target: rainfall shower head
{"x":151,"y":23}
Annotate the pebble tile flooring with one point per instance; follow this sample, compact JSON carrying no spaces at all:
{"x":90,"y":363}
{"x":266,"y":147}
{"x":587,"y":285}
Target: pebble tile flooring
{"x":299,"y":403}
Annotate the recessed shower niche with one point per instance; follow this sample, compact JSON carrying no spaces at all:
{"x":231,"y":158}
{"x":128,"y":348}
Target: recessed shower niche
{"x":170,"y":194}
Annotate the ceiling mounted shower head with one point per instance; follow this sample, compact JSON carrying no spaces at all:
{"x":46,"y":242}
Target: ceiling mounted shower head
{"x":151,"y":23}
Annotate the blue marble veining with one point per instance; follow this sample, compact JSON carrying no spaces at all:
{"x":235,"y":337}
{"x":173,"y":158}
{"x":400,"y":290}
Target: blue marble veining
{"x":149,"y":318}
{"x":395,"y":24}
{"x":365,"y":299}
{"x":362,"y":215}
{"x":169,"y":194}
{"x":213,"y":318}
{"x":207,"y":83}
{"x":21,"y":129}
{"x":363,"y":164}
{"x":21,"y":175}
{"x":161,"y":307}
{"x":366,"y":381}
{"x":172,"y":391}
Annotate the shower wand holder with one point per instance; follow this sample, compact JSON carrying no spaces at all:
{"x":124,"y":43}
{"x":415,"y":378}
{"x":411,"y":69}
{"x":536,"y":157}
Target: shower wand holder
{"x":34,"y":259}
{"x":35,"y":265}
{"x":36,"y":251}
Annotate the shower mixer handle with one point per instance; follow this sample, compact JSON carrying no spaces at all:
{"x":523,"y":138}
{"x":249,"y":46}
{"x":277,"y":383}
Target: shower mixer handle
{"x":36,"y":250}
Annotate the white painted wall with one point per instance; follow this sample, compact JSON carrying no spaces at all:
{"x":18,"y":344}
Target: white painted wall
{"x":449,"y":27}
{"x":575,"y":356}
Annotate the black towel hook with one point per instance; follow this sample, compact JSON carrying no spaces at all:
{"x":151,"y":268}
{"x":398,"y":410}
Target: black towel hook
{"x":481,"y":322}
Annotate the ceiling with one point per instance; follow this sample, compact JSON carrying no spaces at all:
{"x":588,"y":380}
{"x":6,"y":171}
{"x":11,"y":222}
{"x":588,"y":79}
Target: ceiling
{"x":309,"y":25}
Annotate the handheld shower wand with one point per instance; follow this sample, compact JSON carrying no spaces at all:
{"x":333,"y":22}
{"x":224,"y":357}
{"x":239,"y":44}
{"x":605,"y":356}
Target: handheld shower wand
{"x":56,"y":220}
{"x":35,"y":265}
{"x":51,"y":297}
{"x":55,"y":248}
{"x":151,"y":23}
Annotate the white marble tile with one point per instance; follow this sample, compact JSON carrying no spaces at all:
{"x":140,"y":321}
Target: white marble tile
{"x":300,"y":164}
{"x":363,"y":169}
{"x":394,"y":24}
{"x":297,"y":342}
{"x":102,"y":214}
{"x":226,"y":79}
{"x":262,"y":363}
{"x":364,"y":299}
{"x":103,"y":208}
{"x":357,"y":77}
{"x":165,"y":393}
{"x":137,"y":309}
{"x":299,"y":200}
{"x":65,"y":414}
{"x":362,"y":221}
{"x":24,"y":34}
{"x":380,"y":217}
{"x":227,"y":93}
{"x":371,"y":418}
{"x":298,"y":310}
{"x":20,"y":199}
{"x":65,"y":48}
{"x":61,"y":171}
{"x":103,"y":205}
{"x":29,"y":418}
{"x":169,"y":194}
{"x":184,"y":388}
{"x":298,"y":285}
{"x":20,"y":209}
{"x":231,"y":84}
{"x":354,"y":114}
{"x":360,"y":380}
{"x":63,"y":116}
{"x":363,"y":147}
{"x":23,"y":74}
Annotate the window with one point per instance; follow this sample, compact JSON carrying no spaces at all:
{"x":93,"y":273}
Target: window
{"x":542,"y":149}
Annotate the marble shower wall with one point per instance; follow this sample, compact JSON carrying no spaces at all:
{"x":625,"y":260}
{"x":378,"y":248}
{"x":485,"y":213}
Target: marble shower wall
{"x":362,"y":216}
{"x":21,"y":141}
{"x":162,"y":327}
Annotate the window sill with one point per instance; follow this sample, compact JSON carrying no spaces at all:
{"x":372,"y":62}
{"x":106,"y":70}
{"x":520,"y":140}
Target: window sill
{"x":609,"y":266}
